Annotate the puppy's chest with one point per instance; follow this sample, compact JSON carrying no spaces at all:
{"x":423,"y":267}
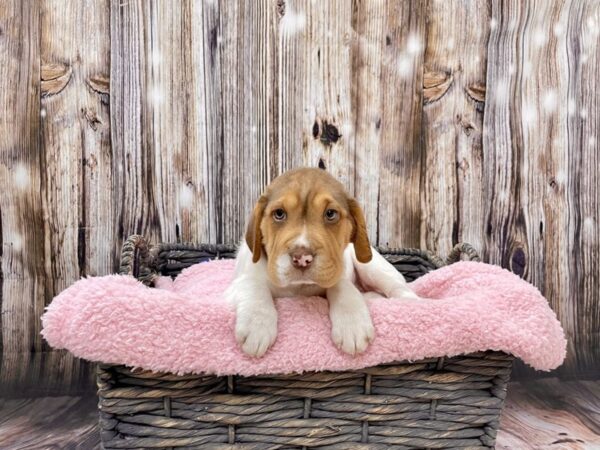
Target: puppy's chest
{"x":298,"y":290}
{"x":310,"y":290}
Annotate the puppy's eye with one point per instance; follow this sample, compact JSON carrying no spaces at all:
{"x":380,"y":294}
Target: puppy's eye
{"x":279,"y":215}
{"x":331,"y":215}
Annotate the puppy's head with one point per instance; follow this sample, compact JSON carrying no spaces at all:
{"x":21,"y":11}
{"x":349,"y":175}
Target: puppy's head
{"x":303,"y":223}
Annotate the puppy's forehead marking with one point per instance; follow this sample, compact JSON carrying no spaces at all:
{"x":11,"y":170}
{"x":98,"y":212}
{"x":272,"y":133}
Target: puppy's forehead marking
{"x":302,"y":239}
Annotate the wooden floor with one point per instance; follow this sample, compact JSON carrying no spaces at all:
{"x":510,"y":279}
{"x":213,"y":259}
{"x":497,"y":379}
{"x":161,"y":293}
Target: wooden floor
{"x":548,"y":414}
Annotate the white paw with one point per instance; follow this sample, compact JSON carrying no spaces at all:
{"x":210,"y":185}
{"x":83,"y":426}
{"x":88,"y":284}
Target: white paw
{"x":403,"y":292}
{"x":352,"y":331}
{"x":256,"y":330}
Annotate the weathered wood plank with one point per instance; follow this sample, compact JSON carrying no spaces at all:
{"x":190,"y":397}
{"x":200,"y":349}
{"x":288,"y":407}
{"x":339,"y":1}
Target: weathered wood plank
{"x":249,"y":90}
{"x":454,"y":91}
{"x":388,"y":43}
{"x":536,"y":178}
{"x":369,"y":40}
{"x":551,"y":414}
{"x":22,"y":230}
{"x":583,"y":161}
{"x":315,"y":118}
{"x":49,"y":422}
{"x":400,"y":164}
{"x":132,"y":102}
{"x":75,"y":137}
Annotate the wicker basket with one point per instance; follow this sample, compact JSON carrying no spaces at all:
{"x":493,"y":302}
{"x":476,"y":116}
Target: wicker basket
{"x":433,"y":403}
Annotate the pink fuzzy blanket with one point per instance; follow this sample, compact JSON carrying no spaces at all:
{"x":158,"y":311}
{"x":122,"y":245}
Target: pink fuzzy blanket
{"x":186,"y":325}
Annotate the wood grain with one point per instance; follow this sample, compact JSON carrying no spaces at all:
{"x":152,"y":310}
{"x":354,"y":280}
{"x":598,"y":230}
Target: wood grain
{"x":77,"y":161}
{"x":49,"y":422}
{"x":315,"y":121}
{"x":533,"y":143}
{"x":583,"y":162}
{"x":248,"y":72}
{"x":22,"y":234}
{"x":551,"y":415}
{"x":454,"y":94}
{"x":388,"y":41}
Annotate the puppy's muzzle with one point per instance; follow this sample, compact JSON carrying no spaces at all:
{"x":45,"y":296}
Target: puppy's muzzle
{"x":302,"y":257}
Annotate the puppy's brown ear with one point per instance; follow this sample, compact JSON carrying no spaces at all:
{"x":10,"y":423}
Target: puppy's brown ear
{"x":359,"y":237}
{"x":253,"y":233}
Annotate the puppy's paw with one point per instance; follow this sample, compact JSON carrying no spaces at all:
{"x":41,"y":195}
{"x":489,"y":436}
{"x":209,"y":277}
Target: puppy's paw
{"x":256,"y":330}
{"x":352,"y":331}
{"x":403,"y":292}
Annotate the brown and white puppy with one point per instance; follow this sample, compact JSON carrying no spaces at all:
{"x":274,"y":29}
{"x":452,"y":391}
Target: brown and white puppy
{"x":306,"y":237}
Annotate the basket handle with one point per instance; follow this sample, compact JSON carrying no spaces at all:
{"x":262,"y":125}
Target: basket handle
{"x":462,"y":248}
{"x":136,"y":259}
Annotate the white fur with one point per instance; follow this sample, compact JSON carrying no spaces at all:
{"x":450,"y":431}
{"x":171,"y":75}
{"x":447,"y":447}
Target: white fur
{"x":302,"y":240}
{"x":252,"y":294}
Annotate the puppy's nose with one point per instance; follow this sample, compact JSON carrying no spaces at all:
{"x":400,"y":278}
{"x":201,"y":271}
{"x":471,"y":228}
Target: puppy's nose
{"x":302,"y":257}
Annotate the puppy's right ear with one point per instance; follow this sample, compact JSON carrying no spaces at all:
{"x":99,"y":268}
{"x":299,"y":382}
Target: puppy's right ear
{"x":253,"y":233}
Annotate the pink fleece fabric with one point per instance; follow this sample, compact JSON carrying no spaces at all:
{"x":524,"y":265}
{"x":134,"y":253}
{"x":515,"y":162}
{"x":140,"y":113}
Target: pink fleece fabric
{"x":186,"y":325}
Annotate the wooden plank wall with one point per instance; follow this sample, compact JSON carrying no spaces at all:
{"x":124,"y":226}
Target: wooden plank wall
{"x":449,"y":121}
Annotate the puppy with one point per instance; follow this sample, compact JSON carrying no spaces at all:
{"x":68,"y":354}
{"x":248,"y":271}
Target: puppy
{"x":307,"y":237}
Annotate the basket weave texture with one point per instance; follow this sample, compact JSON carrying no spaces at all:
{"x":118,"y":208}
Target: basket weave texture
{"x":433,"y":403}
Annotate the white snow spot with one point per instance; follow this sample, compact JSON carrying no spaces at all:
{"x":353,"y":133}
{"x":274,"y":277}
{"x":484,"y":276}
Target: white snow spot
{"x":550,"y":101}
{"x":155,"y":57}
{"x":405,"y":65}
{"x":561,"y":176}
{"x":43,"y":112}
{"x":21,"y":177}
{"x":583,"y":113}
{"x":155,"y":95}
{"x":583,"y":58}
{"x":571,"y":107}
{"x":17,"y":242}
{"x":592,"y":140}
{"x":558,"y":30}
{"x":450,"y":44}
{"x":529,"y":114}
{"x":493,"y":24}
{"x":539,"y":37}
{"x":292,"y":21}
{"x":501,"y":91}
{"x":253,"y":129}
{"x":346,"y":129}
{"x":502,"y":196}
{"x":589,"y":226}
{"x":413,"y":45}
{"x":186,"y":196}
{"x":592,"y":25}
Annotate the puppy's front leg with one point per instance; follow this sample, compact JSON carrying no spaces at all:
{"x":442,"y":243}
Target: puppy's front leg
{"x":256,"y":316}
{"x":380,"y":275}
{"x":351,"y":326}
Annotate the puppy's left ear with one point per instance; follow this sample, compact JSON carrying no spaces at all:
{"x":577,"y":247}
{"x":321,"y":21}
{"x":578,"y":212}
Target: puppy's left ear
{"x":253,"y":233}
{"x":359,"y":237}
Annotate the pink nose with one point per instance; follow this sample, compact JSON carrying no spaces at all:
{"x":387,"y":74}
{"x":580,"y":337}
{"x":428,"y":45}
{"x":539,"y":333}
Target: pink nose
{"x":301,"y":257}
